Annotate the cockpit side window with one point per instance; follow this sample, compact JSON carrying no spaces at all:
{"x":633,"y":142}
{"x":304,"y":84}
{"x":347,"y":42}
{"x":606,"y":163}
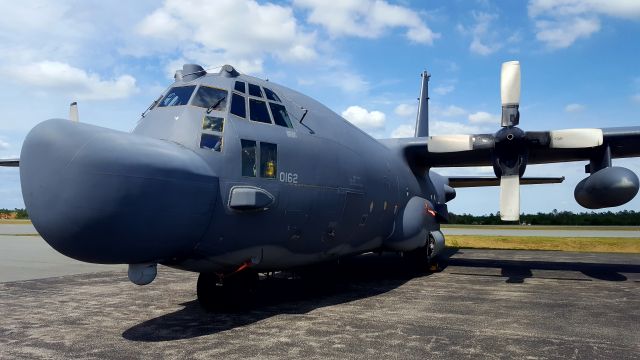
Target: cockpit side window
{"x":210,"y":98}
{"x":238,"y":105}
{"x":271,"y":95}
{"x":254,"y":90}
{"x":239,"y":87}
{"x":280,"y":116}
{"x":258,"y":111}
{"x":177,"y":96}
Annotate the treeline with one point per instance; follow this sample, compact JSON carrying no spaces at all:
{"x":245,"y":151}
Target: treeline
{"x":13,"y":214}
{"x":625,"y":218}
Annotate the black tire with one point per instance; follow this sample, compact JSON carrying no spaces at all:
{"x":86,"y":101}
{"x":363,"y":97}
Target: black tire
{"x":422,"y":259}
{"x":209,"y":290}
{"x":231,"y":293}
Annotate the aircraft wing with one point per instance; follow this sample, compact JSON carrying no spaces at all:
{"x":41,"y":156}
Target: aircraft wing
{"x":479,"y":181}
{"x":479,"y":149}
{"x":10,"y":162}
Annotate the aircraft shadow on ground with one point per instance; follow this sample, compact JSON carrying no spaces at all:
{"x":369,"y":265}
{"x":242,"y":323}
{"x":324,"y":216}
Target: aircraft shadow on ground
{"x":516,"y":271}
{"x":357,"y":278}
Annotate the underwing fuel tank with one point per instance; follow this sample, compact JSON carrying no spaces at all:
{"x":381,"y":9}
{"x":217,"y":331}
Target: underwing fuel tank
{"x":106,"y":196}
{"x":609,"y":187}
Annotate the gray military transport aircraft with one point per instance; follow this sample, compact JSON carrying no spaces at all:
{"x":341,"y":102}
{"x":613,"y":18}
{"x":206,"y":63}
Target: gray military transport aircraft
{"x":229,"y":175}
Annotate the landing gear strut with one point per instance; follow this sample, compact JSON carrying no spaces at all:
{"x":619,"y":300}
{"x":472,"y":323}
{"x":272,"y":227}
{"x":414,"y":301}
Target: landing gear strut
{"x":222,"y":293}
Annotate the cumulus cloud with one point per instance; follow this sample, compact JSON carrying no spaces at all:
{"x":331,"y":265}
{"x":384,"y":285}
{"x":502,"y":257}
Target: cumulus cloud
{"x":574,"y":108}
{"x":213,"y":33}
{"x":447,"y":128}
{"x":403,"y":131}
{"x":443,"y":89}
{"x":483,"y":40}
{"x":58,"y":76}
{"x":364,"y":118}
{"x":483,"y":117}
{"x":366,"y":18}
{"x":559,"y":34}
{"x":560,"y":23}
{"x":450,"y":111}
{"x":406,"y":110}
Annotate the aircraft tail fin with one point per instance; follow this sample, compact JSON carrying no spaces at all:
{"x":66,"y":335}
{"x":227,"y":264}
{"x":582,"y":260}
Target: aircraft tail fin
{"x":422,"y":120}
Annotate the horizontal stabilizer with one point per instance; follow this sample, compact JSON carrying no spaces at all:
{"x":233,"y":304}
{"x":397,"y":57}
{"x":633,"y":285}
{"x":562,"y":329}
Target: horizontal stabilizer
{"x":479,"y":181}
{"x":10,"y":162}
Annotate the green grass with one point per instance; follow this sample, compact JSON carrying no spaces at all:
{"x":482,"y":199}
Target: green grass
{"x":611,"y":245}
{"x":15,"y":221}
{"x":541,"y":227}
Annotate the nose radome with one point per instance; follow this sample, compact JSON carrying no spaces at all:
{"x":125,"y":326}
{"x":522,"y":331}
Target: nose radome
{"x":105,"y":196}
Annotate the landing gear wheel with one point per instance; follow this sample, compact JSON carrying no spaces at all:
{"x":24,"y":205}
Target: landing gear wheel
{"x":233,"y":292}
{"x":422,"y":259}
{"x":432,"y":260}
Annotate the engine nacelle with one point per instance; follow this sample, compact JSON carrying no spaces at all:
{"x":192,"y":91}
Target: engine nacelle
{"x":609,"y":187}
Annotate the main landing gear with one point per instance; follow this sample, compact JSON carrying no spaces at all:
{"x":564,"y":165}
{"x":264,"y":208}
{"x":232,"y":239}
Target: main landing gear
{"x":218,"y":292}
{"x":423,"y":259}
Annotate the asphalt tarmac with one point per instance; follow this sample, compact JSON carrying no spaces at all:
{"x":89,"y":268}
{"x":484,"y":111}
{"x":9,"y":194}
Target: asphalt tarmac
{"x":484,"y":304}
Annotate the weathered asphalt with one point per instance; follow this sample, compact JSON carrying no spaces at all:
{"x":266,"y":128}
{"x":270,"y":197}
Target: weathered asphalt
{"x":484,"y":304}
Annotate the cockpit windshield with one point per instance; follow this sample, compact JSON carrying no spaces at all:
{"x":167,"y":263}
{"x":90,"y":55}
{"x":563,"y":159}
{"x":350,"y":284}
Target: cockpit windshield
{"x":210,"y":98}
{"x":177,"y":96}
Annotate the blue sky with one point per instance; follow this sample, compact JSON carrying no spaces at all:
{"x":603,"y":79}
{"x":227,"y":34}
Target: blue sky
{"x":361,"y":58}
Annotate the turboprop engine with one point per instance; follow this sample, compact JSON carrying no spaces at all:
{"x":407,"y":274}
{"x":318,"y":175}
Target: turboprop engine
{"x":608,"y":187}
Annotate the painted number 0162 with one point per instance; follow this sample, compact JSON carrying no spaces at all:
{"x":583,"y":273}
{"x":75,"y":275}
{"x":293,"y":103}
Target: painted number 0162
{"x":288,"y":177}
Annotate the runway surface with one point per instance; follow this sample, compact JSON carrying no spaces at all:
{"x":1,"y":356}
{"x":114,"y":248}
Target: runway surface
{"x":30,"y":257}
{"x":484,"y":304}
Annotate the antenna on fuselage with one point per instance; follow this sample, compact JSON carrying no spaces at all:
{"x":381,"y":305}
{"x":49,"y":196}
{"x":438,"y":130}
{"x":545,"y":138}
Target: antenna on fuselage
{"x":422,"y":120}
{"x":73,"y":112}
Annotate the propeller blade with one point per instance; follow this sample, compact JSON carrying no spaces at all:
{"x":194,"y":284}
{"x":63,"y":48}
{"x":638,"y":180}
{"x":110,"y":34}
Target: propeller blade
{"x":449,"y":143}
{"x":575,"y":138}
{"x":73,"y":112}
{"x":510,"y":198}
{"x":510,"y":92}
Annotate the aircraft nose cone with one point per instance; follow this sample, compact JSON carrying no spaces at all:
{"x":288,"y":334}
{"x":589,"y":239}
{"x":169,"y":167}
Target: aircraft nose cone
{"x":105,"y":196}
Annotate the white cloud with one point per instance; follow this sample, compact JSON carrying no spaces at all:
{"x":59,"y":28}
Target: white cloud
{"x":451,"y":111}
{"x":560,"y":23}
{"x":484,"y":41}
{"x":404,"y":131}
{"x":366,"y":18}
{"x":240,"y":32}
{"x":363,"y":118}
{"x":483,"y":117}
{"x":574,"y":108}
{"x":446,"y":128}
{"x":406,"y":110}
{"x":629,"y":9}
{"x":443,"y":89}
{"x":58,"y":76}
{"x":563,"y":33}
{"x":4,"y":145}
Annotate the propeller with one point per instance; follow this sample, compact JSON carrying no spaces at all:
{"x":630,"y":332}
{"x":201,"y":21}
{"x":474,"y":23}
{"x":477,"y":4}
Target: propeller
{"x":73,"y":112}
{"x":510,"y":145}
